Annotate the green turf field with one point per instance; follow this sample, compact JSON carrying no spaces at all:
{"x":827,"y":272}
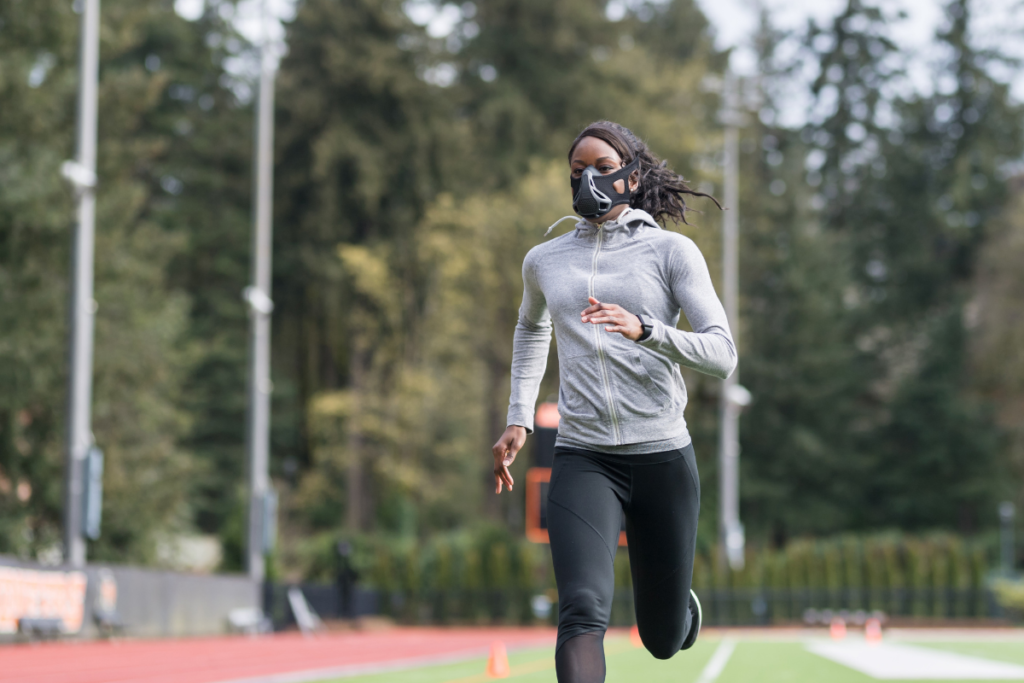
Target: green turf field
{"x":753,"y":659}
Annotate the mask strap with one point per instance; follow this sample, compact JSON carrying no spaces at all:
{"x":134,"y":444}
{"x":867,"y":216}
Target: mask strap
{"x":563,"y":218}
{"x":626,"y":171}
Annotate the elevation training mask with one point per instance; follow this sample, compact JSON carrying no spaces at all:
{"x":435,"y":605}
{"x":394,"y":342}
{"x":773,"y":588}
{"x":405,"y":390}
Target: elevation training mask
{"x":594,"y":195}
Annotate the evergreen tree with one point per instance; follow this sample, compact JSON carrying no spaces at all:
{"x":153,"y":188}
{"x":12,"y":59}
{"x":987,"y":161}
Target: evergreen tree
{"x":945,"y":189}
{"x":364,"y":143}
{"x":365,"y":152}
{"x":906,"y":186}
{"x":992,"y":317}
{"x":800,"y":468}
{"x":141,"y":354}
{"x":37,"y":98}
{"x":205,"y":200}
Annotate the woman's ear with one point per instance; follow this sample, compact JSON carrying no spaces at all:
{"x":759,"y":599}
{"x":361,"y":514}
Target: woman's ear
{"x":634,"y":180}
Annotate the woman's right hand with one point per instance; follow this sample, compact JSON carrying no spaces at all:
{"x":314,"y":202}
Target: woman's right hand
{"x":504,"y":452}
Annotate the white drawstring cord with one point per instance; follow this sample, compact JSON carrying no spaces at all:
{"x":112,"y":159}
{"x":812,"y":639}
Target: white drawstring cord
{"x":563,"y":218}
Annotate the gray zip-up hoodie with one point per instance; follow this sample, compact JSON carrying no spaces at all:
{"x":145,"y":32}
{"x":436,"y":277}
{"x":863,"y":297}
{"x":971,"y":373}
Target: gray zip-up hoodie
{"x":616,"y":395}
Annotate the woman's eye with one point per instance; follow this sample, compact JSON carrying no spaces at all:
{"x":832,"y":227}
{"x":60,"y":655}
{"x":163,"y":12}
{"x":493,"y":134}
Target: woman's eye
{"x":606,"y":169}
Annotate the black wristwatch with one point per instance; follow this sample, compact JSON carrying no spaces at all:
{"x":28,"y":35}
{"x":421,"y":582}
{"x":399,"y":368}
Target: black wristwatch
{"x":647,"y":328}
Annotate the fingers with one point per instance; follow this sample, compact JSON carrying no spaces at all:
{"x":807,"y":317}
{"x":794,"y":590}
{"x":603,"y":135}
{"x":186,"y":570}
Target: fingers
{"x":601,"y":309}
{"x":615,"y":318}
{"x":507,"y":459}
{"x":502,"y":476}
{"x":596,"y":305}
{"x":504,"y":453}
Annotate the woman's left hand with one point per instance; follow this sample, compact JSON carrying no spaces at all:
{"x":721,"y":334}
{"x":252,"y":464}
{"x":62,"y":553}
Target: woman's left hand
{"x":615,"y":317}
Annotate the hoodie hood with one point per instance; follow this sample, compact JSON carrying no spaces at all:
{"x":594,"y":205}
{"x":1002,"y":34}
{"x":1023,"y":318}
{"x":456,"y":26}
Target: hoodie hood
{"x":628,"y":220}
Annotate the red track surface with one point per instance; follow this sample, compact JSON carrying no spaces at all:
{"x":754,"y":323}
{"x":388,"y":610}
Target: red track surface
{"x":214,"y":660}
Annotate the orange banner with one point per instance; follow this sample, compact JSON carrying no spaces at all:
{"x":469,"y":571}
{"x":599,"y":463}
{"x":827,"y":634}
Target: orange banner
{"x":36,"y":593}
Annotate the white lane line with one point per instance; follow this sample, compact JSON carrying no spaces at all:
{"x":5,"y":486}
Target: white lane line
{"x":717,"y":663}
{"x":891,"y":662}
{"x":311,"y":675}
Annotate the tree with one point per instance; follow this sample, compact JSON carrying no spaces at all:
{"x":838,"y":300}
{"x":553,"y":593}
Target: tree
{"x":141,"y":352}
{"x":945,"y":189}
{"x":907,"y":184}
{"x":801,"y":468}
{"x":997,"y":332}
{"x":364,"y":143}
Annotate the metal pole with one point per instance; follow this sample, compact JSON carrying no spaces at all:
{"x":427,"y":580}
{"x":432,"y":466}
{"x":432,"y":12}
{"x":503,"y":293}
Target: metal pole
{"x":260,"y":308}
{"x":82,"y":174}
{"x":730,"y":530}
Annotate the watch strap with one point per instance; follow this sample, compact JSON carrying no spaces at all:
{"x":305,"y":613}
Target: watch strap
{"x":646,"y":326}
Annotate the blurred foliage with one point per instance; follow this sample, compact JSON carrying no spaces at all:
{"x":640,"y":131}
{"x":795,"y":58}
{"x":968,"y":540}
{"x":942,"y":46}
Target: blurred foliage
{"x":398,"y":340}
{"x":143,"y":350}
{"x":489,"y":574}
{"x":881,"y":243}
{"x":1010,"y":594}
{"x":996,"y":328}
{"x":858,"y":268}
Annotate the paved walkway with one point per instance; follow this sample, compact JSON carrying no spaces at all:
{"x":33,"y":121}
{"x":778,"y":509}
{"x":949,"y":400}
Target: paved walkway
{"x":279,"y":658}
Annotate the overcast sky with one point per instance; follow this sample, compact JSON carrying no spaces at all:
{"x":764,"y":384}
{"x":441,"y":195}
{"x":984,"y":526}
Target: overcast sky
{"x":996,"y":23}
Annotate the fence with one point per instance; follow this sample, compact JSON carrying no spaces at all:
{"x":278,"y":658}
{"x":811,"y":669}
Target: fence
{"x":324,"y":598}
{"x":722,"y":607}
{"x":491,"y":578}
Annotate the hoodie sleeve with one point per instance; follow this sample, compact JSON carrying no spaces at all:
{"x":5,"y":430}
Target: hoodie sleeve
{"x":709,"y":348}
{"x":529,"y":349}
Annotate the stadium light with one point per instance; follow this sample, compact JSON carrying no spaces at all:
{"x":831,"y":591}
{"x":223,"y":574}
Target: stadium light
{"x":262,"y":500}
{"x":82,"y":174}
{"x":733,"y":397}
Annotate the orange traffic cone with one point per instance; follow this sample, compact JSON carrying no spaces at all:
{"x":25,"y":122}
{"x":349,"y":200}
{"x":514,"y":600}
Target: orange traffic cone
{"x":873,"y":631}
{"x":837,"y":629}
{"x":497,"y":663}
{"x":634,"y":637}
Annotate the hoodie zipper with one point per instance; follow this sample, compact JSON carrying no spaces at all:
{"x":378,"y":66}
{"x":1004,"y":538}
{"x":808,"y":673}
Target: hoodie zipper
{"x":600,"y":348}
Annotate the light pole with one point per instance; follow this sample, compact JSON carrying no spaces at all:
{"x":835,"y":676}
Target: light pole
{"x":262,"y":502}
{"x":81,"y":173}
{"x":734,"y":397}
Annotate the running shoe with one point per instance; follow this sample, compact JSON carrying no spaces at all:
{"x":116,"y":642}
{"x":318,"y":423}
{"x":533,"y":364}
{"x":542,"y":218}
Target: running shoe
{"x":698,"y":616}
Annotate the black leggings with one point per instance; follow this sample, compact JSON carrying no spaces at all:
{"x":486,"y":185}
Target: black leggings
{"x":589,"y":492}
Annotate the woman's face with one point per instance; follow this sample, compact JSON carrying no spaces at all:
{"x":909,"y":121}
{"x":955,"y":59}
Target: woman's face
{"x":602,"y":156}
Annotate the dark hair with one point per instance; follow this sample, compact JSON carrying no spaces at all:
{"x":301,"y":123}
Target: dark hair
{"x":660,"y":190}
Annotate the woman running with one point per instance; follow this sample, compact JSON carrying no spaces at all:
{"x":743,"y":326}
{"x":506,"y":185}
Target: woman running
{"x":613,"y":289}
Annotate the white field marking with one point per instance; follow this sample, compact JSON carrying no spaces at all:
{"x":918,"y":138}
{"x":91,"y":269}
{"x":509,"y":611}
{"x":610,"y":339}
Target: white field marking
{"x":717,"y":663}
{"x":956,"y":635}
{"x":310,"y":675}
{"x":890,"y":662}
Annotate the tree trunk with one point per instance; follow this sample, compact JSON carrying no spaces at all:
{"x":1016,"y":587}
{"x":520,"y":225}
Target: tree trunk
{"x":356,"y":476}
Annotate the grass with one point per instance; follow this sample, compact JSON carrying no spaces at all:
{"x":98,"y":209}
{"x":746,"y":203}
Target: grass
{"x":753,"y":660}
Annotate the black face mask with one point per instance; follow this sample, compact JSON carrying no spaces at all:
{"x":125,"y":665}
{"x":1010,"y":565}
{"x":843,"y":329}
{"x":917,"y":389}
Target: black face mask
{"x":594,"y":195}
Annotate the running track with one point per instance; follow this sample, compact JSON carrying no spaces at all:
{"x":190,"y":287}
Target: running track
{"x":281,"y":658}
